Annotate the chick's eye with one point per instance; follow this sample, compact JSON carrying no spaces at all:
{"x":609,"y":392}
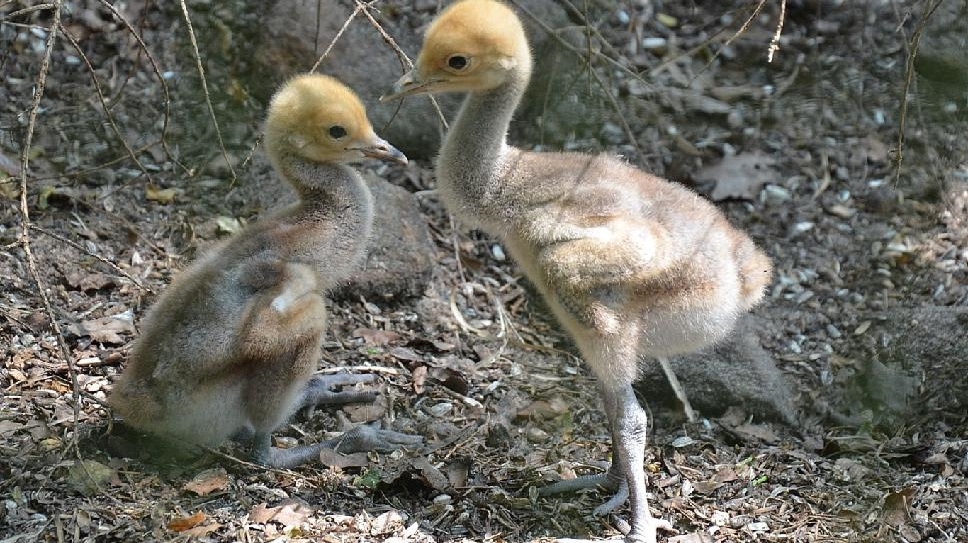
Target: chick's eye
{"x":337,"y":132}
{"x":457,"y":62}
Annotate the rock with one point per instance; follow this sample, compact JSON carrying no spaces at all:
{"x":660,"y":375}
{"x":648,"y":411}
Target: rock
{"x":735,"y":372}
{"x":293,"y":34}
{"x":401,"y":254}
{"x":909,"y":364}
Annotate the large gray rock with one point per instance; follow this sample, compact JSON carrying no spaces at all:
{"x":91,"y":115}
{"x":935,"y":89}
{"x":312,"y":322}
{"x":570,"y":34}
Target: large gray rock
{"x":293,"y":34}
{"x":737,"y":372}
{"x":910,"y":364}
{"x":401,"y":255}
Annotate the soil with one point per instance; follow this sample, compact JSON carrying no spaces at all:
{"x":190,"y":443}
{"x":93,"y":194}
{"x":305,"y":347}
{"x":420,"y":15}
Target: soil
{"x":474,"y":365}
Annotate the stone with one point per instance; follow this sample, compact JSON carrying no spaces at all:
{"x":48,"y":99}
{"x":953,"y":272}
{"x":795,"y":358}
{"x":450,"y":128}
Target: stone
{"x":401,"y":255}
{"x":737,"y":372}
{"x":909,"y":365}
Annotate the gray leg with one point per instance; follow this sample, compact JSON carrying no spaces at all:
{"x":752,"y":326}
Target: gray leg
{"x":319,"y":390}
{"x":360,"y":439}
{"x":628,"y":436}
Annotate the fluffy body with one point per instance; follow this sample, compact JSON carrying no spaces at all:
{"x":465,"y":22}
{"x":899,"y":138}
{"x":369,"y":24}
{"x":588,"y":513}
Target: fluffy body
{"x":231,"y":346}
{"x":633,"y":266}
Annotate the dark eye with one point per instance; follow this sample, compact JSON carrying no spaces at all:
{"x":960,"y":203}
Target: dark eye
{"x":457,"y":62}
{"x":336,"y":132}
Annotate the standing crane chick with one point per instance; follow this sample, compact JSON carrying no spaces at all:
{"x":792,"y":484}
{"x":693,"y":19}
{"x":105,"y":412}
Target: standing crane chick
{"x":632,"y":265}
{"x":230,"y":347}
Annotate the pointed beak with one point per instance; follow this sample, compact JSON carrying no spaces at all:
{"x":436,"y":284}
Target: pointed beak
{"x":405,"y":86}
{"x":379,"y":148}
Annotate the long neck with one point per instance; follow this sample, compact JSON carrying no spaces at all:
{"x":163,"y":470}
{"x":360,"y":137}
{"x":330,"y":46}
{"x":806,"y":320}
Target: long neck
{"x":472,"y":153}
{"x":328,"y":186}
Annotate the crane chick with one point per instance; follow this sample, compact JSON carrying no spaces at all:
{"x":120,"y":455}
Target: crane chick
{"x":633,"y":266}
{"x":230,"y":347}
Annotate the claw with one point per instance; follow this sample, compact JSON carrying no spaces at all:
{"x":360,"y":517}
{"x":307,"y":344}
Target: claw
{"x":367,"y":438}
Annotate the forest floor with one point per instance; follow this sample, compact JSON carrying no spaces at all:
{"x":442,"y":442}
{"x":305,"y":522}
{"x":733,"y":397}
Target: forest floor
{"x":473,"y":365}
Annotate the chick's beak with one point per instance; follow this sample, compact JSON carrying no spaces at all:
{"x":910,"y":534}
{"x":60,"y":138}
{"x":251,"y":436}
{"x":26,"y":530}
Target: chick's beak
{"x":408,"y":84}
{"x":378,"y":147}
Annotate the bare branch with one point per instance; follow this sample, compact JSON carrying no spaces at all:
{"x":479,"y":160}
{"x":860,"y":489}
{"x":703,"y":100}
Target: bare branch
{"x":208,"y":98}
{"x":25,"y":225}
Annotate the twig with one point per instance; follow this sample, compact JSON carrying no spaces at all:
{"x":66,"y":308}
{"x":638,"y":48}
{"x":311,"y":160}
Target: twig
{"x":929,"y":9}
{"x":587,"y":55}
{"x":677,"y":388}
{"x":104,"y":104}
{"x":405,"y":61}
{"x":26,"y":10}
{"x":166,"y":119}
{"x":80,"y":247}
{"x":339,"y":33}
{"x":208,"y":98}
{"x":775,"y":42}
{"x":322,"y":57}
{"x":25,"y":213}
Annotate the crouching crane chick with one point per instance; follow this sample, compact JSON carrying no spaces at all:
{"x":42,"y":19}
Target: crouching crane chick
{"x":230,"y":347}
{"x":633,"y":266}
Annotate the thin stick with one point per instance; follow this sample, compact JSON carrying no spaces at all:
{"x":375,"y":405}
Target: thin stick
{"x":208,"y":98}
{"x":775,"y":42}
{"x":166,"y":119}
{"x":104,"y":103}
{"x":677,"y":388}
{"x":41,"y":83}
{"x":929,"y":9}
{"x":405,"y":61}
{"x":80,"y":247}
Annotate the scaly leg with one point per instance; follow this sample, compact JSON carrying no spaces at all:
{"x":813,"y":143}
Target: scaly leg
{"x":628,"y":435}
{"x":359,"y":439}
{"x":319,"y":390}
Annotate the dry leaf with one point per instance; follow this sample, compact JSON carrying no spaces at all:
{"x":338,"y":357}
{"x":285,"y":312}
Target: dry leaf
{"x":376,"y":338}
{"x":162,"y":196}
{"x":695,"y":537}
{"x":433,"y":476}
{"x":181,"y":524}
{"x":758,"y":431}
{"x":419,"y":379}
{"x":403,"y":353}
{"x":106,"y":329}
{"x":543,"y":409}
{"x":739,"y":176}
{"x":897,"y":506}
{"x":228,"y":225}
{"x":208,"y":481}
{"x":200,"y":531}
{"x":89,"y":477}
{"x":290,"y":515}
{"x":262,"y":514}
{"x":90,"y":281}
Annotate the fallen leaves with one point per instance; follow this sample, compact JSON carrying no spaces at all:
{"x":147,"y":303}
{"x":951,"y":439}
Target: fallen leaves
{"x":89,"y":477}
{"x":110,"y":329}
{"x":208,"y":481}
{"x":180,"y":524}
{"x":739,"y":176}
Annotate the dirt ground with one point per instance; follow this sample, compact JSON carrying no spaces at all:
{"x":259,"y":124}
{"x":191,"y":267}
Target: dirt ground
{"x":474,"y":365}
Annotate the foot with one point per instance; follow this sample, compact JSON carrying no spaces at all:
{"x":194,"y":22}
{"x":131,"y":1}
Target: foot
{"x":646,"y":532}
{"x":320,"y":390}
{"x":366,"y":438}
{"x":610,"y":480}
